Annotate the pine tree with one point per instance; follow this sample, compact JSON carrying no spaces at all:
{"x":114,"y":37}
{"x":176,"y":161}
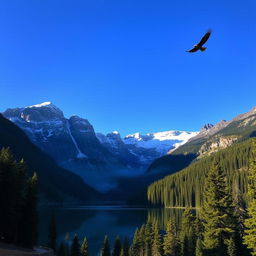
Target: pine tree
{"x":75,"y":247}
{"x":231,"y":247}
{"x":217,"y":213}
{"x":18,"y":202}
{"x":250,"y":223}
{"x":188,"y":233}
{"x":117,"y":247}
{"x":157,"y":249}
{"x":199,"y":247}
{"x":20,"y":183}
{"x":136,"y":244}
{"x":241,"y":215}
{"x":105,"y":251}
{"x":147,"y":238}
{"x":170,"y":243}
{"x":7,"y":194}
{"x":30,"y":218}
{"x":185,"y":246}
{"x":84,"y":248}
{"x":52,"y":233}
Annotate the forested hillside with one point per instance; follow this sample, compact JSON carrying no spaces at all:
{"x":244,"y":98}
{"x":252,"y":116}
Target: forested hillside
{"x":186,"y":188}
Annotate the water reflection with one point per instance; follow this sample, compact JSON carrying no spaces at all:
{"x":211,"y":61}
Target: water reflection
{"x":96,"y":221}
{"x":162,"y":216}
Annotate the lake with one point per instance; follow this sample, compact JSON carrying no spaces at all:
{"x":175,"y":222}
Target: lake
{"x":95,"y":222}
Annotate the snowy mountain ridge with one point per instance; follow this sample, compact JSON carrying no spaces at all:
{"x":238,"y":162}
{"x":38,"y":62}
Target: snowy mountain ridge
{"x":145,"y":148}
{"x":161,"y":141}
{"x":97,"y":158}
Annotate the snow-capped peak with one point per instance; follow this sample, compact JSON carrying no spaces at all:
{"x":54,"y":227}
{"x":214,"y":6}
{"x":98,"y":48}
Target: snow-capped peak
{"x":160,"y":141}
{"x":135,"y":136}
{"x":44,"y":104}
{"x":115,"y":132}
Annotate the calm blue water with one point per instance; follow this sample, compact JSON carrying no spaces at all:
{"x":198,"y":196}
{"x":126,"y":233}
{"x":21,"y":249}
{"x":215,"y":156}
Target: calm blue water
{"x":95,"y":222}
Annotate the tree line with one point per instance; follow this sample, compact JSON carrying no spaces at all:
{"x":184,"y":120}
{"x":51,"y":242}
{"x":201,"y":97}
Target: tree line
{"x":186,"y":188}
{"x":77,"y":249}
{"x":18,"y":200}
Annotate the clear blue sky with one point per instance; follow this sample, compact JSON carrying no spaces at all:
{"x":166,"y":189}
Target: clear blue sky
{"x":122,"y":64}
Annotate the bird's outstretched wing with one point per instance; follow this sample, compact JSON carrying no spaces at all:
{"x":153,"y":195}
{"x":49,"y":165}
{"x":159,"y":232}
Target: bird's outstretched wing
{"x":194,"y":49}
{"x":205,"y":38}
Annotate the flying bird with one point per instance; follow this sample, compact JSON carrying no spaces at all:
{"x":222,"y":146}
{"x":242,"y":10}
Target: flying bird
{"x":199,"y":46}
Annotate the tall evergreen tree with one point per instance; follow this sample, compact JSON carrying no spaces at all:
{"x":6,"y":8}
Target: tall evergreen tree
{"x":171,"y":243}
{"x":30,"y":218}
{"x":199,"y":247}
{"x":241,"y":215}
{"x":147,"y":238}
{"x":105,"y":250}
{"x":84,"y":248}
{"x":231,"y":247}
{"x":157,"y":244}
{"x":250,"y":223}
{"x":117,"y":247}
{"x":18,"y":202}
{"x":7,"y":194}
{"x":217,"y":213}
{"x":52,"y":235}
{"x":136,"y":243}
{"x":20,"y":195}
{"x":188,"y":233}
{"x":75,"y":247}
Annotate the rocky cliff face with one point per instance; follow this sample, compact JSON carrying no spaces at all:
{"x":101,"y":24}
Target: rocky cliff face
{"x":212,"y":138}
{"x":71,"y":142}
{"x":217,"y":143}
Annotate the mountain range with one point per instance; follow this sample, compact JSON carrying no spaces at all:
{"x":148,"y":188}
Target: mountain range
{"x":64,"y":150}
{"x":209,"y":140}
{"x":99,"y":159}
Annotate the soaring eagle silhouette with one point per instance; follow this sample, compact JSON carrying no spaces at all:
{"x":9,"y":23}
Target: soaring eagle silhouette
{"x":199,"y":46}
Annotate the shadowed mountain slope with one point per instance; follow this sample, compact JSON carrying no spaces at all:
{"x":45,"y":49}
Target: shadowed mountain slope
{"x":55,"y":183}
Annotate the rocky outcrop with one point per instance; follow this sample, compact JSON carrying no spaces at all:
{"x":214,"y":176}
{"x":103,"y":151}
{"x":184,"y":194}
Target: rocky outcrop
{"x":216,"y":144}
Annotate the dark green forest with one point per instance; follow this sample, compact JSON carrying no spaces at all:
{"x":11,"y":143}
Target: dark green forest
{"x":18,"y":199}
{"x":186,"y":188}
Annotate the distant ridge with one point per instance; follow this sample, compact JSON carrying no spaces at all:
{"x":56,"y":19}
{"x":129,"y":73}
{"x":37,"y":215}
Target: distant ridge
{"x":211,"y":139}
